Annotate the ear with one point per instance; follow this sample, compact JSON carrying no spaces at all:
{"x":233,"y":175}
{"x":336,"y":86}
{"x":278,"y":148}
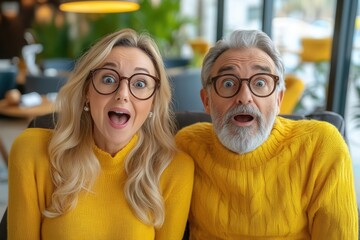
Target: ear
{"x":205,"y":99}
{"x":279,"y":99}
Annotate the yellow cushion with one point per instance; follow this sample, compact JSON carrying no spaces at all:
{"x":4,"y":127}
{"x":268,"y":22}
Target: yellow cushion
{"x":294,"y":89}
{"x":315,"y":49}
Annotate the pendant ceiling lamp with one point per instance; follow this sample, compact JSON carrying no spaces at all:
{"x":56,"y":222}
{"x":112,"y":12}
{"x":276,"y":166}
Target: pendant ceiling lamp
{"x":99,"y":6}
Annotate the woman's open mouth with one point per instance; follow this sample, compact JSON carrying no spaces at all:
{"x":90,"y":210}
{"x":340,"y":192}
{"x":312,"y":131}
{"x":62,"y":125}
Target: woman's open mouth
{"x":118,"y":118}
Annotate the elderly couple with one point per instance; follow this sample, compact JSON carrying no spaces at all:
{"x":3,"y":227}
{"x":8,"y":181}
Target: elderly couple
{"x":112,"y":169}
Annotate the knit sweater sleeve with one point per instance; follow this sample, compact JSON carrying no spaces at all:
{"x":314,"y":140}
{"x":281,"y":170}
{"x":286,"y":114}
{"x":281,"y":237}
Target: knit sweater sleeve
{"x":332,"y":210}
{"x":28,"y":181}
{"x":177,"y":185}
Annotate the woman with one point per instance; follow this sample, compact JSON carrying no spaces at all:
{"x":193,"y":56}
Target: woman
{"x":109,"y":169}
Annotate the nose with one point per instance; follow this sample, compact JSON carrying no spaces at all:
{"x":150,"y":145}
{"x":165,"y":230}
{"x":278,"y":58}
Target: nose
{"x":122,"y":94}
{"x":244,"y":96}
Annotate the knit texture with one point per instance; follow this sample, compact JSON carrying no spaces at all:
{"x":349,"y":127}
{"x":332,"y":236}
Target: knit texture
{"x":297,"y":185}
{"x":103,"y":212}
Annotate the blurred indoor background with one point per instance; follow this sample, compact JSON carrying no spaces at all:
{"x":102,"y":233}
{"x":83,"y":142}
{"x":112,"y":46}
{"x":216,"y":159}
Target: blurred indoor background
{"x":318,"y":39}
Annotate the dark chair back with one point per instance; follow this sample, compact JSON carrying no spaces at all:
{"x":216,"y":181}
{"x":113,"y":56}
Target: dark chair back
{"x":44,"y":84}
{"x":176,"y":62}
{"x":186,"y":87}
{"x":7,"y":80}
{"x":59,"y":64}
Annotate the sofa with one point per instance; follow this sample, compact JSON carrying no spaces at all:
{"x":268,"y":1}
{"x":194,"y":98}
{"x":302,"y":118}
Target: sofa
{"x":184,"y":119}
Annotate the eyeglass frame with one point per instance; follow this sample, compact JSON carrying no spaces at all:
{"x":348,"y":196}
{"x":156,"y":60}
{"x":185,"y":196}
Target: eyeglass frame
{"x":274,"y":77}
{"x":91,"y":75}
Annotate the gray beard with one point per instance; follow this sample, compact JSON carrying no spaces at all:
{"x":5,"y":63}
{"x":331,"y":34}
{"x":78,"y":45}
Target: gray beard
{"x":242,"y":139}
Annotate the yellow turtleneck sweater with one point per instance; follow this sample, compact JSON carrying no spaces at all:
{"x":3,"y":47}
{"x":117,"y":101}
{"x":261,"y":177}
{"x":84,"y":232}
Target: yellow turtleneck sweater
{"x":101,"y":214}
{"x":297,"y":185}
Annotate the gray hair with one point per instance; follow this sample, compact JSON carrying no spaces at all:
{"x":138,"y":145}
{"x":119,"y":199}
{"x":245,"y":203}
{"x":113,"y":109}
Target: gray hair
{"x":242,"y":39}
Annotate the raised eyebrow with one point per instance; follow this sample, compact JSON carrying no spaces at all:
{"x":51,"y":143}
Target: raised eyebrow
{"x":113,"y":65}
{"x":142,"y":69}
{"x":227,"y":68}
{"x":234,"y":67}
{"x":109,"y":64}
{"x":261,"y":68}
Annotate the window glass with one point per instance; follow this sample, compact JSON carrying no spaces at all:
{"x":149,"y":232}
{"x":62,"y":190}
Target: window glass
{"x":302,"y":30}
{"x":202,"y":34}
{"x":245,"y":14}
{"x":352,"y":115}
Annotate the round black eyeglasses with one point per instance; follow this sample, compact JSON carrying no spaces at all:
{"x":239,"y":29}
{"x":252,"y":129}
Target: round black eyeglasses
{"x":106,"y":81}
{"x":260,"y":84}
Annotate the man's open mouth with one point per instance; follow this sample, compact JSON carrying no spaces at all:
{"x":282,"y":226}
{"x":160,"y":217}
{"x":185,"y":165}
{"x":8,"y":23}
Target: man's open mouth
{"x":243,"y":118}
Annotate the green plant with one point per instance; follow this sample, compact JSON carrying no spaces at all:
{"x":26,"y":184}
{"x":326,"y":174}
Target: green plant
{"x":54,"y":37}
{"x":313,"y":97}
{"x":163,"y":21}
{"x":356,"y":79}
{"x":357,"y":107}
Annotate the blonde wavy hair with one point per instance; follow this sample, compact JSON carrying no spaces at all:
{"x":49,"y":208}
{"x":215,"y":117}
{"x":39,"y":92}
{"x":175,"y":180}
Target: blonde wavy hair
{"x":74,"y":167}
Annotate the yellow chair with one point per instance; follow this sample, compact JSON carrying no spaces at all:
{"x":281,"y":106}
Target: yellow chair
{"x":315,"y":53}
{"x":315,"y":49}
{"x":294,"y":89}
{"x":199,"y":47}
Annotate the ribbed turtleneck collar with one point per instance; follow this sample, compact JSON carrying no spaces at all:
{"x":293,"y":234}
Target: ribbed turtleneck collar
{"x":265,"y":152}
{"x":107,"y":161}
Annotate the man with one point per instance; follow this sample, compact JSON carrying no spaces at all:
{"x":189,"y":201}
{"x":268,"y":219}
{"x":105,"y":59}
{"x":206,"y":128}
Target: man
{"x":258,"y":175}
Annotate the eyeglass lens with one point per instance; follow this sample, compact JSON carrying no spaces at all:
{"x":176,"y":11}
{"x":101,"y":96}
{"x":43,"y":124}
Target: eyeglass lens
{"x":107,"y":81}
{"x":228,"y":85}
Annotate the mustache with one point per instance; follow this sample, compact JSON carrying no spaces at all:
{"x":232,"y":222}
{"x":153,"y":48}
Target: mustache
{"x":241,"y":109}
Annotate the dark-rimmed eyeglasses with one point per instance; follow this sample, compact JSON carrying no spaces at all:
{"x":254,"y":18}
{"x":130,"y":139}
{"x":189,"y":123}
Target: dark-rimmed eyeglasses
{"x":106,"y":81}
{"x":260,"y":84}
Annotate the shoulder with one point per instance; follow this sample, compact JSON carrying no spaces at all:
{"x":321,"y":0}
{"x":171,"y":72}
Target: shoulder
{"x":32,"y":137}
{"x":182,"y":162}
{"x":195,"y":138}
{"x":320,"y":137}
{"x":309,"y":127}
{"x":180,"y":168}
{"x":198,"y":140}
{"x":194,"y":131}
{"x":30,"y":145}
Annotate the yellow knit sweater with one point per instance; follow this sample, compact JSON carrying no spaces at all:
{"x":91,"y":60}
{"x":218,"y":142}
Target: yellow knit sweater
{"x":103,"y":213}
{"x":296,"y":185}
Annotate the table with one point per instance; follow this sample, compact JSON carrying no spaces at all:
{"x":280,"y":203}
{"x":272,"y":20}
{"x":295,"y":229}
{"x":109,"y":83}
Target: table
{"x":46,"y":107}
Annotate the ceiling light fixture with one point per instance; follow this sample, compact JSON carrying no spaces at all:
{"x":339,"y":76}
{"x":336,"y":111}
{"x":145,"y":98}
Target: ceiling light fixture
{"x":99,"y":6}
{"x":10,"y":9}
